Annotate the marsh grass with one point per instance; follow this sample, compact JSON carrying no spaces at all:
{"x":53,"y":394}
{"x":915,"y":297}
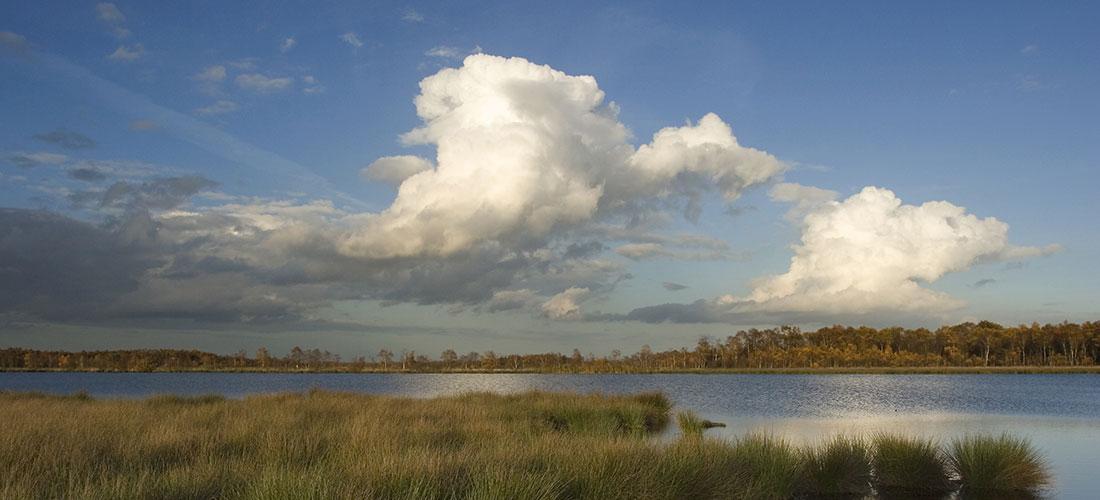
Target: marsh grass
{"x":998,"y":466}
{"x":768,"y":467}
{"x":690,"y":424}
{"x":909,"y":467}
{"x":332,"y":445}
{"x":837,"y":468}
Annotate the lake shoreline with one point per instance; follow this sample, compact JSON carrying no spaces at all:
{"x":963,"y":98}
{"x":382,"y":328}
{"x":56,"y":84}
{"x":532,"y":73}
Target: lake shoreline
{"x":883,"y":370}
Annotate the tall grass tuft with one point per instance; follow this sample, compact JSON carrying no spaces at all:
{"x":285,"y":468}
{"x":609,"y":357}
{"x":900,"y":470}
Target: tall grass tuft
{"x":1002,"y":466}
{"x":766,"y":467}
{"x":690,"y":424}
{"x":909,"y":466}
{"x":838,"y":467}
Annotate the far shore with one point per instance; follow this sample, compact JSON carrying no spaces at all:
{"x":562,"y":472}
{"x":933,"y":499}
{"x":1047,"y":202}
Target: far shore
{"x":870,"y":370}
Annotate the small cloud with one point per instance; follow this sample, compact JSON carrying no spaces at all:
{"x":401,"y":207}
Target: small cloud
{"x":120,"y":32}
{"x":673,"y":287}
{"x":395,"y":169}
{"x":803,"y":199}
{"x":218,"y":108}
{"x":639,"y":251}
{"x":1029,"y":83}
{"x":734,"y":211}
{"x":87,"y":174}
{"x":109,"y":13}
{"x":127,"y":54}
{"x":262,"y":83}
{"x":313,"y":86}
{"x":1014,"y":266}
{"x":815,"y":167}
{"x":66,"y":139}
{"x":287,"y":44}
{"x":983,"y":282}
{"x":566,"y":305}
{"x":214,"y":73}
{"x":246,"y":64}
{"x":30,"y":160}
{"x":412,"y":16}
{"x":1029,"y":50}
{"x":351,"y":39}
{"x":12,"y":40}
{"x":449,"y":52}
{"x":142,"y":125}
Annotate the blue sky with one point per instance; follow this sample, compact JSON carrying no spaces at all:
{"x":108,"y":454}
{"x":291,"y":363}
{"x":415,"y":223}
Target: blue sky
{"x":209,"y":109}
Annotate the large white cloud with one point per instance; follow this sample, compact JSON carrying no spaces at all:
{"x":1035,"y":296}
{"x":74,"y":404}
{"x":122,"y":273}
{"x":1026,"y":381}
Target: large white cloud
{"x":866,"y":257}
{"x":525,"y":151}
{"x":871,"y":253}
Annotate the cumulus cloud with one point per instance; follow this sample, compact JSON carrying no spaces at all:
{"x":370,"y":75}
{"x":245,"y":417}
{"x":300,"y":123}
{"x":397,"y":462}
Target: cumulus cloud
{"x":66,"y":139}
{"x":525,"y":151}
{"x":395,"y":169}
{"x":565,"y":305}
{"x":871,"y":252}
{"x":868,"y":254}
{"x":262,"y":83}
{"x":351,"y":39}
{"x":412,"y":16}
{"x":803,"y":199}
{"x":533,"y":178}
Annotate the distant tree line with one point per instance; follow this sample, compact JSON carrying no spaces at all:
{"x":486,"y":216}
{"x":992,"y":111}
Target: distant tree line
{"x":963,"y":345}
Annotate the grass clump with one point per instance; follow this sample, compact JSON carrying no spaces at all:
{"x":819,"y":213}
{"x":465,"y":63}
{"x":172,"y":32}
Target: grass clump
{"x":999,"y":466}
{"x":840,"y":467}
{"x":909,"y":466}
{"x":690,"y":424}
{"x":767,"y":467}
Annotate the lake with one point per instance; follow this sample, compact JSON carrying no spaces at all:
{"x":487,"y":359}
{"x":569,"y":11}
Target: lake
{"x":1059,"y":413}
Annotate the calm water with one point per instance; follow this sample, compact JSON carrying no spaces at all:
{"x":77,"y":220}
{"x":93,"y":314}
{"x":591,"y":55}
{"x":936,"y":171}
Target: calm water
{"x":1060,"y":413}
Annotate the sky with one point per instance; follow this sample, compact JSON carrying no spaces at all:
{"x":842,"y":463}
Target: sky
{"x":355,"y":176}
